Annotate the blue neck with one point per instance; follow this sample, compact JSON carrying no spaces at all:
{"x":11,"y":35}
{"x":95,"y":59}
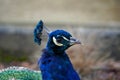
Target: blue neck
{"x":56,"y":66}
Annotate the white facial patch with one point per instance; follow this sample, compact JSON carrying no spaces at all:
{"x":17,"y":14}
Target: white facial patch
{"x":56,"y":43}
{"x":65,"y":38}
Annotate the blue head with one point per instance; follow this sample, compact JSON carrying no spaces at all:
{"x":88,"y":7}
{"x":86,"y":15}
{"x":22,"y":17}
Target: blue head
{"x":60,"y":40}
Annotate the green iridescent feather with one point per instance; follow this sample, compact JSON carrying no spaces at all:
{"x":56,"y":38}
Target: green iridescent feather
{"x":19,"y":73}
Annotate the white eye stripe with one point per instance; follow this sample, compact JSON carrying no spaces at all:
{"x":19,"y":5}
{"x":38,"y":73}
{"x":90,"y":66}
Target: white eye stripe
{"x":56,"y":43}
{"x":65,"y":38}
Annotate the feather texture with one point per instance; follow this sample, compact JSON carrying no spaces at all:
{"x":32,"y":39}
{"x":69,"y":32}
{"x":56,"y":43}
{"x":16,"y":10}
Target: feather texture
{"x":38,"y":32}
{"x":19,"y":73}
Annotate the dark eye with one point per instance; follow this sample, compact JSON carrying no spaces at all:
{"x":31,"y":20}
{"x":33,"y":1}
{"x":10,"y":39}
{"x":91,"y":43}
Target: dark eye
{"x":59,"y":39}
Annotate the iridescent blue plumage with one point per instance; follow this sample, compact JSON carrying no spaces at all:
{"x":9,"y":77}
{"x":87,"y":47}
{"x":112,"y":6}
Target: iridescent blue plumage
{"x":54,"y":62}
{"x":55,"y":66}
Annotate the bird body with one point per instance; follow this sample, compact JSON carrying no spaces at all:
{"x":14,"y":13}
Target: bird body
{"x":56,"y":66}
{"x":54,"y":62}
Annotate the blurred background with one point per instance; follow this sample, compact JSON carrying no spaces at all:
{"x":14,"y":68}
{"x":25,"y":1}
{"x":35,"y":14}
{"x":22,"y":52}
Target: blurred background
{"x":95,"y":22}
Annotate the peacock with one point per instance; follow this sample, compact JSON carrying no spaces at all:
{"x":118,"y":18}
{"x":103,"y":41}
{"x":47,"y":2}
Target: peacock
{"x":54,"y":63}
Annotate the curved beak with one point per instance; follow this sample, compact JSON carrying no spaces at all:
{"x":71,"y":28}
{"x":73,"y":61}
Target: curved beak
{"x":74,"y":41}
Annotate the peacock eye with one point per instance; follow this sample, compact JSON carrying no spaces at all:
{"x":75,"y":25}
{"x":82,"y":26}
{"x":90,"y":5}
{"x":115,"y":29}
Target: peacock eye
{"x":59,"y":39}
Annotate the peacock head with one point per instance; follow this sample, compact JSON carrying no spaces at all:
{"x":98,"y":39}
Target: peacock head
{"x":60,"y":40}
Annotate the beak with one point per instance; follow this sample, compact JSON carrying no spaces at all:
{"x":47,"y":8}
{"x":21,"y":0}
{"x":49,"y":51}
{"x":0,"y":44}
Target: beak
{"x":74,"y":41}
